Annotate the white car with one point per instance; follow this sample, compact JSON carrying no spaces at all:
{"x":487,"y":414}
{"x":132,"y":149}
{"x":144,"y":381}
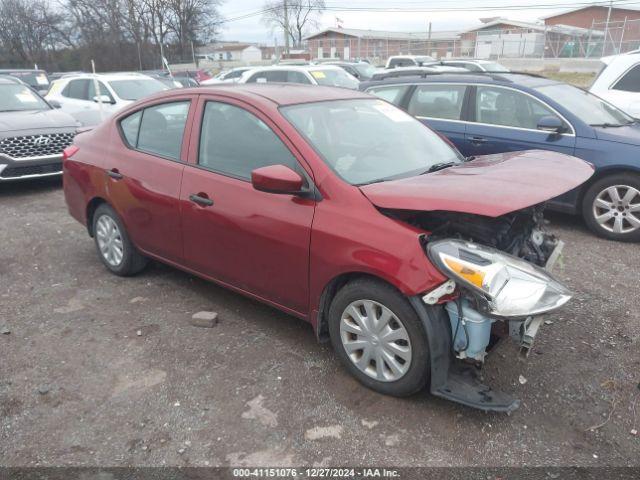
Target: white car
{"x":409,"y":61}
{"x":328,"y":75}
{"x":619,"y":82}
{"x":226,"y":76}
{"x":476,"y":65}
{"x":91,"y":98}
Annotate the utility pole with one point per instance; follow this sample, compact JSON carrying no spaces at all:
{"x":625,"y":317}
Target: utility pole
{"x":286,"y":27}
{"x":429,"y":40}
{"x":606,"y":29}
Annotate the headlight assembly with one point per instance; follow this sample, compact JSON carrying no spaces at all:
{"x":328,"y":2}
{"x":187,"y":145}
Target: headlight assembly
{"x":512,"y":287}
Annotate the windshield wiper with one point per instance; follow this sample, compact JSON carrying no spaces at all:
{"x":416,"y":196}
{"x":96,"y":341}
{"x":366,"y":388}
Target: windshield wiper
{"x":439,"y":166}
{"x":610,"y":125}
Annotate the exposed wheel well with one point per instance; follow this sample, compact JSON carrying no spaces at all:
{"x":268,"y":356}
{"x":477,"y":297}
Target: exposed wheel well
{"x":91,"y":209}
{"x":328,"y":294}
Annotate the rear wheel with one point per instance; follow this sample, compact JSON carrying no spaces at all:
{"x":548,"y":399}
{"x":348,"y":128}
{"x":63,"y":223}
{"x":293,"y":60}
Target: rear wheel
{"x":379,"y":338}
{"x":112,"y":242}
{"x":611,"y":207}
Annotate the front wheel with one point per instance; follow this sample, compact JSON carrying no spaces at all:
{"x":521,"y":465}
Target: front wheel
{"x":611,"y":207}
{"x":379,"y":338}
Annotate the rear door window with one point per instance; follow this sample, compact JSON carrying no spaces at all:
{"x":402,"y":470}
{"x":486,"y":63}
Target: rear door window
{"x":630,"y":81}
{"x":297,"y":77}
{"x":268,"y":77}
{"x":78,"y":89}
{"x":438,"y":101}
{"x":158,"y":129}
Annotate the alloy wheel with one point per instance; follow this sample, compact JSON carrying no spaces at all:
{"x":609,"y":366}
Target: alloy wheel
{"x":375,"y":340}
{"x":617,"y":209}
{"x":109,"y":240}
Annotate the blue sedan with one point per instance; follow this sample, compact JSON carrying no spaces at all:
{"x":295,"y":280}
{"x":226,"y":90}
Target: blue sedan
{"x":494,"y":113}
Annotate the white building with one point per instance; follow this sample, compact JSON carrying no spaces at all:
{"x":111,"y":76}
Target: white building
{"x":231,"y":52}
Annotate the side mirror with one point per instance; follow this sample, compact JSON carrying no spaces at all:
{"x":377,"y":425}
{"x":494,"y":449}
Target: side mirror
{"x":55,"y":104}
{"x":103,"y":99}
{"x":551,"y":124}
{"x":276,"y":179}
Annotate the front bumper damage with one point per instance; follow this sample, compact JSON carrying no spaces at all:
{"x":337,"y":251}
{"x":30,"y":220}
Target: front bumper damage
{"x":459,"y":381}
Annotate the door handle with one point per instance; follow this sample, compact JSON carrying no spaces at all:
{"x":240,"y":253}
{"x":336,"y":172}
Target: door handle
{"x":201,"y":199}
{"x":478,"y":140}
{"x":115,"y":174}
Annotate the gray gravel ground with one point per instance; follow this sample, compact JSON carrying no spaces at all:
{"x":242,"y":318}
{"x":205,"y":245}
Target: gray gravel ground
{"x":79,"y":386}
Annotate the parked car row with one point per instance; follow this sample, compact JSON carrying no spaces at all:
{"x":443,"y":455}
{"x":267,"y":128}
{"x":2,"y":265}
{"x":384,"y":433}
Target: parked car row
{"x":497,"y":113}
{"x":403,"y":221}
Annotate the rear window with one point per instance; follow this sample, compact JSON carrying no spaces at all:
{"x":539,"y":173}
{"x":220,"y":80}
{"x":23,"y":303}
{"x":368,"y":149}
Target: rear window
{"x":158,"y":129}
{"x":630,"y":81}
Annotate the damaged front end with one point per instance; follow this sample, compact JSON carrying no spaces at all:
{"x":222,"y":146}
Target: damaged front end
{"x":499,"y":284}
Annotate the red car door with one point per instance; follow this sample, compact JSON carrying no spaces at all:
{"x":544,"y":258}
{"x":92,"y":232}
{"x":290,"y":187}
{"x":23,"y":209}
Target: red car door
{"x":144,"y":173}
{"x":254,"y":241}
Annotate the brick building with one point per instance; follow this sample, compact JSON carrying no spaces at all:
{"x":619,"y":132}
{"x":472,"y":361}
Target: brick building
{"x":377,"y":45}
{"x":500,"y":37}
{"x":623,"y":30}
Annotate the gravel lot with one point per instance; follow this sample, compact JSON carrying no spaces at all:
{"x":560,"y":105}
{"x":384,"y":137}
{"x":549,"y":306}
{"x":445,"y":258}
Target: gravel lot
{"x":100,"y":370}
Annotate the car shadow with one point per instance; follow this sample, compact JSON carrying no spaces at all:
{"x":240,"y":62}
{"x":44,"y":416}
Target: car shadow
{"x":30,"y":187}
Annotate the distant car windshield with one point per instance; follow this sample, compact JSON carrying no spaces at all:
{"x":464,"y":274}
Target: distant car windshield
{"x":334,"y":78}
{"x":368,"y":141}
{"x":34,"y":78}
{"x":136,"y":88}
{"x":16,"y":98}
{"x":423,"y":60}
{"x":494,"y":67}
{"x":365,"y":70}
{"x":586,"y":106}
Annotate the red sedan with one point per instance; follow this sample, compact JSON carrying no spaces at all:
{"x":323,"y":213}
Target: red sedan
{"x":340,"y":209}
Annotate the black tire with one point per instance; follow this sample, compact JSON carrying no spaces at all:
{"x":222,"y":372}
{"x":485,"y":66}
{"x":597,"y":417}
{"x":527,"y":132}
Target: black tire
{"x":417,"y":375}
{"x":132,"y":261}
{"x":629,"y":180}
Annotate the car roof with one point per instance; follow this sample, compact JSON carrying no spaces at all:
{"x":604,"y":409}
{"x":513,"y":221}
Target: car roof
{"x":279,"y":93}
{"x":298,"y":68}
{"x":517,"y":79}
{"x":20,"y":70}
{"x":107,"y":76}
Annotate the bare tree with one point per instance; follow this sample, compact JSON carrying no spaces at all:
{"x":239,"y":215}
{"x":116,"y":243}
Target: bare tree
{"x":302,"y":16}
{"x":191,"y":20}
{"x":30,"y":29}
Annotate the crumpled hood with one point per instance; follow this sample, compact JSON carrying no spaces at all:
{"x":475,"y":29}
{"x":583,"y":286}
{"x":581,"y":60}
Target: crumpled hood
{"x":34,"y":120}
{"x":628,"y":134}
{"x":490,"y":185}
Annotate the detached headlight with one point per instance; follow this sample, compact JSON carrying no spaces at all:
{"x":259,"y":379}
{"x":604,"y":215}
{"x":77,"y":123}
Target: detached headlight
{"x":511,"y":286}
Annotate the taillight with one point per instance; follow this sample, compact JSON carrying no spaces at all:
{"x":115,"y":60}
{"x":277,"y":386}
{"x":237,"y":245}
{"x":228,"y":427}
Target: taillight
{"x":69,"y":152}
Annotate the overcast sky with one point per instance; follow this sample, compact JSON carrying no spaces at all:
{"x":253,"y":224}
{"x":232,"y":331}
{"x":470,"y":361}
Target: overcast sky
{"x":252,"y":30}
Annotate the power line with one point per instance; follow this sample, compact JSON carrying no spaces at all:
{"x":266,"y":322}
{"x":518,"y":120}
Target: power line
{"x":387,"y":9}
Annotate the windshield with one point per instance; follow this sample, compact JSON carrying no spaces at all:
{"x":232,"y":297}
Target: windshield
{"x":136,"y":88}
{"x":494,"y":67}
{"x":369,"y":140}
{"x":16,"y":98}
{"x":423,"y":60}
{"x":365,"y":70}
{"x":334,"y":78}
{"x":587,"y":107}
{"x":34,"y":78}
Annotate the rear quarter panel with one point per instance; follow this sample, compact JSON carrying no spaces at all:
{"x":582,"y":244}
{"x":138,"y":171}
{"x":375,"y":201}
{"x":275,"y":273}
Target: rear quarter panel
{"x":83,"y":173}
